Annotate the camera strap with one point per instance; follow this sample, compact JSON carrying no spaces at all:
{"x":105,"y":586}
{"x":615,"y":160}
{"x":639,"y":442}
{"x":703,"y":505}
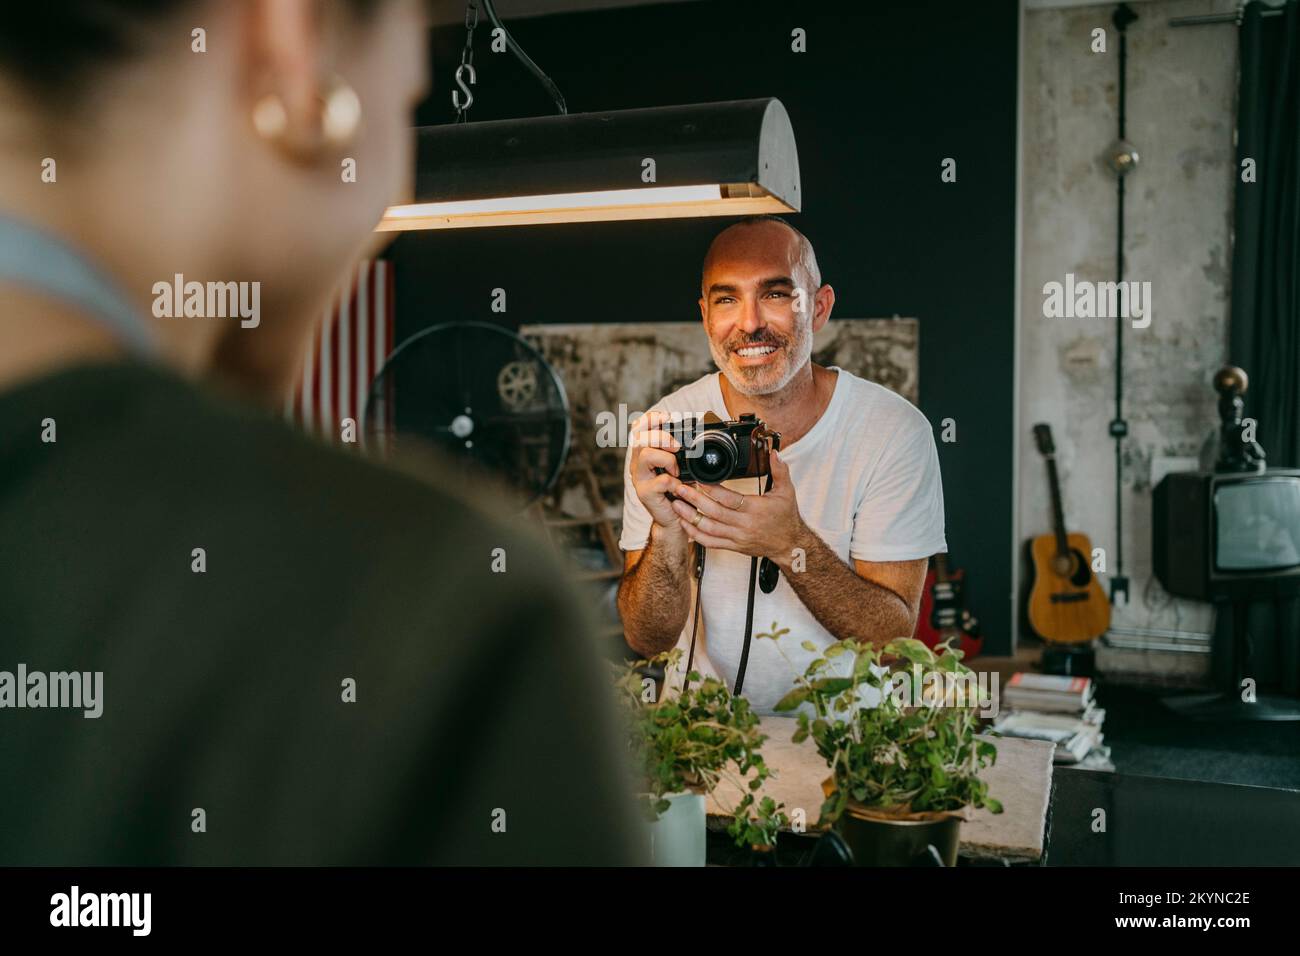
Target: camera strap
{"x":695,"y":615}
{"x":766,"y":578}
{"x":749,"y":627}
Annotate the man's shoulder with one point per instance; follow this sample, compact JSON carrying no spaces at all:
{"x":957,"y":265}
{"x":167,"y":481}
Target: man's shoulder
{"x":880,"y":409}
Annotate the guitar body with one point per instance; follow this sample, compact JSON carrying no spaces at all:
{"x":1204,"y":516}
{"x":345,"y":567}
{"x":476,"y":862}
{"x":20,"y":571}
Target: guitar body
{"x":943,"y":615}
{"x":1067,"y":604}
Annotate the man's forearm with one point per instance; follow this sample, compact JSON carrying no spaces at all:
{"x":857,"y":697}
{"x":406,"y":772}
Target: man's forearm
{"x":653,"y":597}
{"x":845,"y":603}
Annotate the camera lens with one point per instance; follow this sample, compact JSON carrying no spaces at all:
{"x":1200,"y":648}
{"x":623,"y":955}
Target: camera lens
{"x":712,"y":457}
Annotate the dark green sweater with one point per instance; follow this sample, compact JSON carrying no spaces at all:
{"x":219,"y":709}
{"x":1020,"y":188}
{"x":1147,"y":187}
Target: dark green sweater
{"x":480,"y":696}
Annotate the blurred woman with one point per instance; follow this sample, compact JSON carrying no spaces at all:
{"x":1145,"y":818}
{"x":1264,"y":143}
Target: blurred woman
{"x":304,"y":658}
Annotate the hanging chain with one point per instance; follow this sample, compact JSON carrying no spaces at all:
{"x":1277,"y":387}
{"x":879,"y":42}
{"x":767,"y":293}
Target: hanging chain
{"x":466,"y":67}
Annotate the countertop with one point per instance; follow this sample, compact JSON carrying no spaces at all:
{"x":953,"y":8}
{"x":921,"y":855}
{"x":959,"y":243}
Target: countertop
{"x":1021,"y":778}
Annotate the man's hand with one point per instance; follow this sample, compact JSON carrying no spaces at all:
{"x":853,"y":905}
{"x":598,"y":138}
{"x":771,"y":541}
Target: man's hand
{"x":651,"y":595}
{"x":766,"y":526}
{"x":655,"y":448}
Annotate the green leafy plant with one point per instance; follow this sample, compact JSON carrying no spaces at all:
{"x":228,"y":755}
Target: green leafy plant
{"x":907,"y":755}
{"x":694,"y":738}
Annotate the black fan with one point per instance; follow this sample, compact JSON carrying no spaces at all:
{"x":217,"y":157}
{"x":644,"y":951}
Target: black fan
{"x":480,"y":394}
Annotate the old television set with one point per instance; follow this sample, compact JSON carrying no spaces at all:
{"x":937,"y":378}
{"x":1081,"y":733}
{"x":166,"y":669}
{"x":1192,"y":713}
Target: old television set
{"x":1228,"y":536}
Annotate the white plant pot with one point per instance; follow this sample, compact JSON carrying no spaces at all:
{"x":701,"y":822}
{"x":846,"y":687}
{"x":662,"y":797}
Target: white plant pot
{"x":677,"y":838}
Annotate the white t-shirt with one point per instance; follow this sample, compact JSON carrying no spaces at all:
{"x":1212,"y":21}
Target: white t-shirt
{"x":867,"y":479}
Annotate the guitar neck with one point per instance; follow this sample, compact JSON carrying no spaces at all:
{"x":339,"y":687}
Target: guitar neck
{"x":1058,"y":512}
{"x":941,"y":568}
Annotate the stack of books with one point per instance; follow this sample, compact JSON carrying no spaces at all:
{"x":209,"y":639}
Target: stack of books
{"x":1058,"y":709}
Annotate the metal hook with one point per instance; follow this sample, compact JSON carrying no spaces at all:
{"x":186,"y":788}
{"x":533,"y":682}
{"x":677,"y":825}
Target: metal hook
{"x":469,"y":96}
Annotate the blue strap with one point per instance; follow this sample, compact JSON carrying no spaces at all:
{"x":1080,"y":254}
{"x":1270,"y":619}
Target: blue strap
{"x":32,"y":257}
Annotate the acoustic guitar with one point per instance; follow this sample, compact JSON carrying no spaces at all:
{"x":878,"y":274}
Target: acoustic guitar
{"x":1066,"y":604}
{"x":943,"y":614}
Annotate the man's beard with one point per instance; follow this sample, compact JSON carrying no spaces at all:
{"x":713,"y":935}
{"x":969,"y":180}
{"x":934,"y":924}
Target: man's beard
{"x":770,"y":377}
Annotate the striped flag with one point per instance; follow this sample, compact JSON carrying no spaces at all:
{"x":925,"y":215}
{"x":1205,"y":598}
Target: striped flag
{"x":350,"y":344}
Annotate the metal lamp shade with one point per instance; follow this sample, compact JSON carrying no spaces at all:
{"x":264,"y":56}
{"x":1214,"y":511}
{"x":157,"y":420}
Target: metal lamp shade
{"x":711,"y":159}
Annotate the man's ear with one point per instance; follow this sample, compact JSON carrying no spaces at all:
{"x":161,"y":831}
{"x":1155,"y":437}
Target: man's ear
{"x":823,"y":302}
{"x":704,"y":316}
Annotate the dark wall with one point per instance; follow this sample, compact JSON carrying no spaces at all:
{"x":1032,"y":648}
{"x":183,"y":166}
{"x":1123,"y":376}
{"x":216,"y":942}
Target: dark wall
{"x":880,"y":98}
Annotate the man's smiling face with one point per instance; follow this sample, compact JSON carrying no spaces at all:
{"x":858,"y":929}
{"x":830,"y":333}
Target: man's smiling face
{"x":758,"y":302}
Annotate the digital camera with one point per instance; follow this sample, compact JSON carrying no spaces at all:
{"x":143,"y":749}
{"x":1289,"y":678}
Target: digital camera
{"x":714,"y":451}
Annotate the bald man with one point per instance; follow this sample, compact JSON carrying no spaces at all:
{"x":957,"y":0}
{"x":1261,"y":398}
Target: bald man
{"x":856,"y":506}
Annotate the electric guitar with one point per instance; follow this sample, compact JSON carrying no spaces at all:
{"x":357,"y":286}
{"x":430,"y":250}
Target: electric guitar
{"x":943,"y":614}
{"x":1066,"y":604}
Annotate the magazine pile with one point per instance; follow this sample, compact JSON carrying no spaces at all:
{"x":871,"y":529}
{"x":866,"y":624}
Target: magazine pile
{"x":1058,"y":709}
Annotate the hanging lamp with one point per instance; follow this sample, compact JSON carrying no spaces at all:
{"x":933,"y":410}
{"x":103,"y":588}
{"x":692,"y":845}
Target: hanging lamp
{"x":710,"y":159}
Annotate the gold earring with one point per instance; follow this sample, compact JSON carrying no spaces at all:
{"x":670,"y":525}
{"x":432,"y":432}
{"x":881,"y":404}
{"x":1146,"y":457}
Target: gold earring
{"x":341,"y":116}
{"x":270,"y":118}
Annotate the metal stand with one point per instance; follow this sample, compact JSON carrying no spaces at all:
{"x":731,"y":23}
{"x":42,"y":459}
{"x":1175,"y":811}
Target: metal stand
{"x":1070,"y":660}
{"x":1227,"y":704}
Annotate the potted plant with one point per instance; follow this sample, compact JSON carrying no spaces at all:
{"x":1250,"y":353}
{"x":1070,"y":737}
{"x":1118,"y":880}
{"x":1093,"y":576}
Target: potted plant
{"x":682,"y":745}
{"x":904,"y":759}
